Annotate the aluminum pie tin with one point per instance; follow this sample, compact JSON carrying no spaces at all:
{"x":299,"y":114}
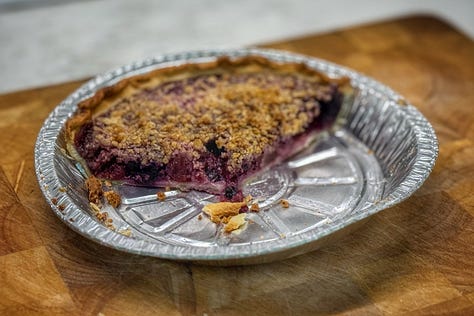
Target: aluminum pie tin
{"x":381,"y":152}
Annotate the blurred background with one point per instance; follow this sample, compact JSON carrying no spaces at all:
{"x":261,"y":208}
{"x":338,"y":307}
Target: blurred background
{"x":44,"y":42}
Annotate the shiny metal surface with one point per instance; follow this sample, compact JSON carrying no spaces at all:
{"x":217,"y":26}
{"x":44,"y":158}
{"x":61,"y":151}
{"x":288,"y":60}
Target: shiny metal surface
{"x":383,"y":150}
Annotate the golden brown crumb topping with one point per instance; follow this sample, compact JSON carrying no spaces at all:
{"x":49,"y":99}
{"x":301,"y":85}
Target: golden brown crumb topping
{"x":242,"y":113}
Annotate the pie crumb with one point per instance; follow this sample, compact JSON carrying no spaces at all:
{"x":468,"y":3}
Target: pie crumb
{"x":61,"y":207}
{"x":94,"y":207}
{"x":235,"y":222}
{"x":126,"y":232}
{"x":161,"y":196}
{"x":284,"y":203}
{"x":110,"y":226}
{"x":102,"y":216}
{"x":113,"y":198}
{"x":254,"y":207}
{"x":199,"y":217}
{"x":94,"y":187}
{"x":221,"y":211}
{"x":54,"y":200}
{"x":62,"y":189}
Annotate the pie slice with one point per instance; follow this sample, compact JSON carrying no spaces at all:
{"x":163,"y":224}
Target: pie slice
{"x":207,"y":126}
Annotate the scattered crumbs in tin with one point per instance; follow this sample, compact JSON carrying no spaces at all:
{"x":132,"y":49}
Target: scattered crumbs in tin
{"x":102,"y":216}
{"x":235,"y":222}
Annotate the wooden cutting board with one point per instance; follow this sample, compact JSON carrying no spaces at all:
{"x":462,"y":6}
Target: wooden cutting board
{"x":416,"y":258}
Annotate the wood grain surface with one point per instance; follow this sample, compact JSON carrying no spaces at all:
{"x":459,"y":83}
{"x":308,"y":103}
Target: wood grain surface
{"x":415,"y":258}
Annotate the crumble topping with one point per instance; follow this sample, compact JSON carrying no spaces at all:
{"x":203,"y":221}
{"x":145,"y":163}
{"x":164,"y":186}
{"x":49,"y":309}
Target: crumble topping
{"x":234,"y":115}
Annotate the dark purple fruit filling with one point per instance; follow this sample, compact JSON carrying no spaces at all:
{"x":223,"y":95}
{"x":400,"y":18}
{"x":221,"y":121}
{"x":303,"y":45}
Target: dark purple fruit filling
{"x":211,"y":147}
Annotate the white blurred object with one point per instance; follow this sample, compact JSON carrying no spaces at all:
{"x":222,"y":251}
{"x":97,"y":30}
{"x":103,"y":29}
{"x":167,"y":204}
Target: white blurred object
{"x":45,"y":42}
